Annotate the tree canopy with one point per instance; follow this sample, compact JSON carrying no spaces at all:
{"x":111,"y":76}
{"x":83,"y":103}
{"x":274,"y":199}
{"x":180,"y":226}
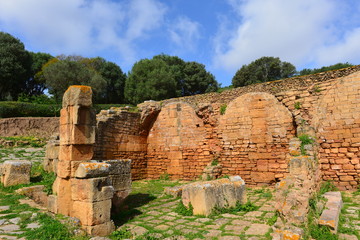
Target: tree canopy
{"x":106,"y":78}
{"x":263,"y":70}
{"x":15,"y":64}
{"x":166,"y":76}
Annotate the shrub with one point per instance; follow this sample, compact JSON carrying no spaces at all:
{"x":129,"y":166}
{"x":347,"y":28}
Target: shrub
{"x":19,"y":109}
{"x":305,"y":140}
{"x":223,"y":109}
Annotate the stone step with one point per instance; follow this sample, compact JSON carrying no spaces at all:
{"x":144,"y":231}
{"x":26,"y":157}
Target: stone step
{"x":330,"y":215}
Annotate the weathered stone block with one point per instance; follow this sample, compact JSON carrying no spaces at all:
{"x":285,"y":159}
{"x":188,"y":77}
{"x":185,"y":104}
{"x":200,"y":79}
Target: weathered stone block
{"x":76,"y":115}
{"x":103,"y":229}
{"x":77,"y":95}
{"x":222,"y":193}
{"x":15,"y":172}
{"x":76,"y":152}
{"x":118,"y":167}
{"x":66,"y":169}
{"x":62,"y":187}
{"x":52,"y":150}
{"x":91,"y":190}
{"x":52,"y":204}
{"x":92,"y":213}
{"x":174,"y":191}
{"x":92,"y":169}
{"x":330,"y":216}
{"x":121,"y":182}
{"x":77,"y":134}
{"x":35,"y":193}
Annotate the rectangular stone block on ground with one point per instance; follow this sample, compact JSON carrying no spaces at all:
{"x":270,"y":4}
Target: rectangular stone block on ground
{"x":331,"y":213}
{"x":205,"y":196}
{"x":15,"y":172}
{"x":119,"y":166}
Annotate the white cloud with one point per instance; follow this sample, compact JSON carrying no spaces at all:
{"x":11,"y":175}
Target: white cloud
{"x":82,"y":26}
{"x":299,"y":31}
{"x":185,"y":33}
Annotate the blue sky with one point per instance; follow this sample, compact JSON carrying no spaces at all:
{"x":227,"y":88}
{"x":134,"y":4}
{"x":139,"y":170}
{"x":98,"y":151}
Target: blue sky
{"x":221,"y":34}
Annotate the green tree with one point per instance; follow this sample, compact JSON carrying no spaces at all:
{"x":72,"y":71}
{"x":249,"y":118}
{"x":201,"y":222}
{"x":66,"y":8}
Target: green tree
{"x":197,"y":80}
{"x":263,"y":70}
{"x":36,"y":84}
{"x":307,"y":71}
{"x":150,"y":80}
{"x":60,"y":74}
{"x":14,"y":66}
{"x":173,"y":77}
{"x":114,"y":77}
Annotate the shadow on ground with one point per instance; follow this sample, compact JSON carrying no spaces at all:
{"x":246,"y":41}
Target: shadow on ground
{"x":130,"y":208}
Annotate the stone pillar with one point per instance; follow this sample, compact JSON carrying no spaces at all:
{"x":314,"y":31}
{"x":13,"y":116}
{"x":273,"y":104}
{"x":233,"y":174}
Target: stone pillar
{"x":82,"y":186}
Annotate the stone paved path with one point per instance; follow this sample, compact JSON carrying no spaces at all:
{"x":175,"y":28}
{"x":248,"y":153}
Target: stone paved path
{"x":159,"y":220}
{"x":22,"y":153}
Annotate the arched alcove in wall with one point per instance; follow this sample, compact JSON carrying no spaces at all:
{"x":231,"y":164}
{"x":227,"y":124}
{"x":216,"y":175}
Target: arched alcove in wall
{"x":255,"y":131}
{"x":176,"y":143}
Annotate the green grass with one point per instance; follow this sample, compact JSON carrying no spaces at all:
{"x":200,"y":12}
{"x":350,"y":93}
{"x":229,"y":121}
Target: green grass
{"x":22,"y":141}
{"x":305,"y":140}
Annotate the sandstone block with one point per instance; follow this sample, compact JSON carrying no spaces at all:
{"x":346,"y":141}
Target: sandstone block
{"x":330,"y":216}
{"x":35,"y":193}
{"x":52,"y":150}
{"x":204,"y":196}
{"x":76,"y":152}
{"x":76,"y":115}
{"x":118,"y":167}
{"x":62,"y":188}
{"x":92,"y":213}
{"x":174,"y":191}
{"x":77,"y":95}
{"x":52,"y":204}
{"x":120,"y":182}
{"x":15,"y":172}
{"x":103,"y":229}
{"x":66,"y":169}
{"x":77,"y":134}
{"x":92,"y":169}
{"x":91,"y":190}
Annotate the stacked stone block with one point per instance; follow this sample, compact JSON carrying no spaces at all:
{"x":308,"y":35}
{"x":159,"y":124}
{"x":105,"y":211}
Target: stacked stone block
{"x":83,"y":188}
{"x":120,"y":179}
{"x":52,"y":154}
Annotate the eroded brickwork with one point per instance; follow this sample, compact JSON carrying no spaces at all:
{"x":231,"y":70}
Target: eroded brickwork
{"x":252,"y":137}
{"x":178,"y":143}
{"x":118,"y":137}
{"x":255,"y":133}
{"x":337,"y":119}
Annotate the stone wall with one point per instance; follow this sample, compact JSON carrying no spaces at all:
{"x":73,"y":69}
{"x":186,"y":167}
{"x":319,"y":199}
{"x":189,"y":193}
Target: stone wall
{"x":43,"y":127}
{"x":255,"y":133}
{"x":118,"y":137}
{"x":252,"y":138}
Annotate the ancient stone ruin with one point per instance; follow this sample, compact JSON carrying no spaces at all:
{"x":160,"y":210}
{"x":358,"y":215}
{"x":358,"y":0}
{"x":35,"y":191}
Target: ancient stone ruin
{"x":292,"y":133}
